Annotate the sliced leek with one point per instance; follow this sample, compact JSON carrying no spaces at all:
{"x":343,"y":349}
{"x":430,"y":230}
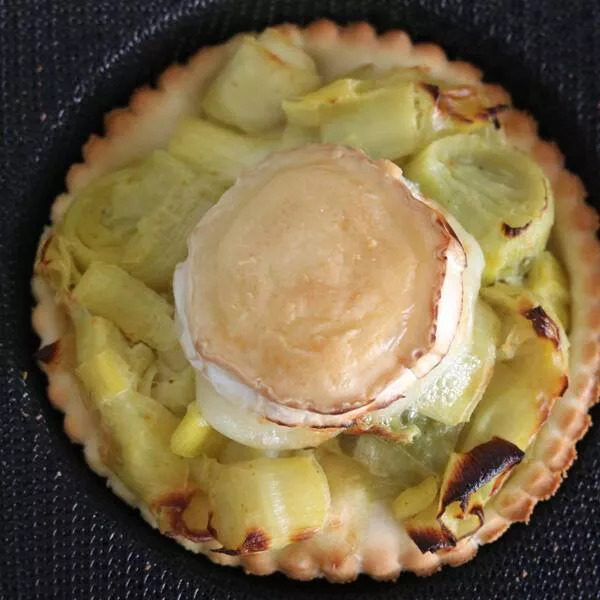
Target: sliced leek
{"x":266,"y":503}
{"x":497,"y":193}
{"x":383,"y":122}
{"x":547,"y":278}
{"x":282,"y":71}
{"x":110,"y":292}
{"x":415,"y":499}
{"x":106,"y":375}
{"x":138,"y":431}
{"x":214,"y":149}
{"x":455,"y":394}
{"x":194,"y":436}
{"x":530,"y":374}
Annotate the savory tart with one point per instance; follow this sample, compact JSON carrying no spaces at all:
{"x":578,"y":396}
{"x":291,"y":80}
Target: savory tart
{"x":322,"y":302}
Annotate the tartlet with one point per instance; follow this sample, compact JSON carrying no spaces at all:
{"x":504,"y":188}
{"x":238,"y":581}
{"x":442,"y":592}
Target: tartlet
{"x":520,"y":310}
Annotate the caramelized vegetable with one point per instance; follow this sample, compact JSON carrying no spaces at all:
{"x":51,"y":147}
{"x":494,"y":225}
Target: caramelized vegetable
{"x":548,"y":280}
{"x":265,"y":503}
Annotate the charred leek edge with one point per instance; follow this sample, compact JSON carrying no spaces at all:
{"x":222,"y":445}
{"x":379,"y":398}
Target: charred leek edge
{"x":110,"y":292}
{"x":548,"y":280}
{"x":265,"y":503}
{"x":282,"y":70}
{"x":390,"y":116}
{"x":533,"y":358}
{"x":499,"y":194}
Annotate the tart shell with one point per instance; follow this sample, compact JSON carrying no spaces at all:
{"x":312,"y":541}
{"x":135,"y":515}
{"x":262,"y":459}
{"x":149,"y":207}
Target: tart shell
{"x":382,"y":549}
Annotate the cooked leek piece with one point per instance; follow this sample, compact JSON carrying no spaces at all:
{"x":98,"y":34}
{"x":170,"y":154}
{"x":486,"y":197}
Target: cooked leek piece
{"x":499,"y":194}
{"x":461,"y":523}
{"x":434,"y":444}
{"x":194,"y":436}
{"x":426,"y":532}
{"x":314,"y":108}
{"x":264,"y":71}
{"x":548,"y":280}
{"x":233,"y":452}
{"x":160,"y":238}
{"x":140,"y":217}
{"x":146,"y":381}
{"x":217,"y":150}
{"x":139,"y":357}
{"x":265,"y":503}
{"x":55,"y":264}
{"x":470,"y":480}
{"x":173,"y":359}
{"x":103,"y":216}
{"x":532,"y":357}
{"x":454,"y":395}
{"x":446,"y":108}
{"x":295,"y":136}
{"x":383,"y":122}
{"x":352,"y":490}
{"x":415,"y":499}
{"x":196,"y":517}
{"x":110,"y":292}
{"x":530,"y":373}
{"x":174,"y":389}
{"x":350,"y":482}
{"x":387,"y":459}
{"x":138,"y":431}
{"x":106,"y":375}
{"x":94,"y":334}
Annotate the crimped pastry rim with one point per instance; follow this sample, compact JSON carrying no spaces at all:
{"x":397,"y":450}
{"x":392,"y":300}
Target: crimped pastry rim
{"x":132,"y":132}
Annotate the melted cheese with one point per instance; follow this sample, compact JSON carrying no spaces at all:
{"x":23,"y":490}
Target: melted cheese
{"x":319,"y":286}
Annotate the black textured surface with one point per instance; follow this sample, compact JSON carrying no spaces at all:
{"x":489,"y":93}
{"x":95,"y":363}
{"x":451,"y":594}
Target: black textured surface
{"x":65,"y":63}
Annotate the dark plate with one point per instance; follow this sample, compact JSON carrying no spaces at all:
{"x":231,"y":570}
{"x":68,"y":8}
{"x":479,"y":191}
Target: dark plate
{"x":62,"y":66}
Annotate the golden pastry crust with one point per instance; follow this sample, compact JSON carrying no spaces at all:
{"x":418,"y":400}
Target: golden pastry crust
{"x":381,"y":548}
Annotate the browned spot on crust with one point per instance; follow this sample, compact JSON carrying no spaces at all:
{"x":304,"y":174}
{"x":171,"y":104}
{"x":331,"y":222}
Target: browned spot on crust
{"x":474,"y":469}
{"x":513,"y":232}
{"x":430,"y":539}
{"x":47,"y":353}
{"x":544,"y":326}
{"x":173,"y":506}
{"x":256,"y":541}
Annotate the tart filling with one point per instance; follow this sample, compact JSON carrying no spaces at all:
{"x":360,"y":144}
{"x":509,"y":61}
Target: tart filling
{"x":319,"y":317}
